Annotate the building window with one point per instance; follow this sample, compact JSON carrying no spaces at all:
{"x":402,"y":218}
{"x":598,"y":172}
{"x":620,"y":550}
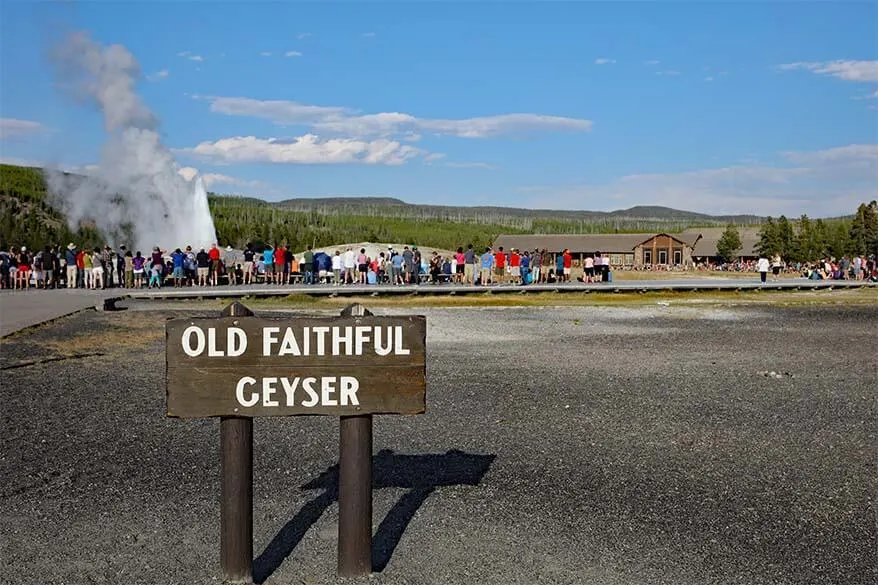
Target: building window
{"x":678,"y":256}
{"x":616,"y":259}
{"x":629,"y":259}
{"x":662,"y":256}
{"x":647,"y":256}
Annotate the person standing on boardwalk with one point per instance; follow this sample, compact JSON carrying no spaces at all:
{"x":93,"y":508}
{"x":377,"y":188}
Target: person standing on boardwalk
{"x":535,"y":266}
{"x":500,"y":266}
{"x":776,"y":265}
{"x":469,"y":267}
{"x":487,"y":267}
{"x":70,"y":256}
{"x":308,"y":266}
{"x":762,"y":268}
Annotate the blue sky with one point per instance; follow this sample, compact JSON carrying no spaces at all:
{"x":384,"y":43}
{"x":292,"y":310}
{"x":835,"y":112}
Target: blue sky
{"x":717,"y":107}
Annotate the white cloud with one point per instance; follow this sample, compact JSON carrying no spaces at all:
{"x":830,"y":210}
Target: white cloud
{"x":158,"y":75}
{"x":825,"y":183}
{"x":708,"y":78}
{"x":851,"y":153}
{"x":340,"y":120}
{"x":604,"y":61}
{"x":280,"y":112}
{"x":266,"y":54}
{"x":652,"y":62}
{"x":307,"y":149}
{"x":862,"y":71}
{"x":302,"y":36}
{"x":292,"y":54}
{"x":211,"y":179}
{"x":14,"y":128}
{"x":189,"y":55}
{"x":669,"y":72}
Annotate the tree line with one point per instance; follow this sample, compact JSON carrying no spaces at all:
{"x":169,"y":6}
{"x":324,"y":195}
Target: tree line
{"x":238,"y":223}
{"x":30,"y":217}
{"x":808,"y":240}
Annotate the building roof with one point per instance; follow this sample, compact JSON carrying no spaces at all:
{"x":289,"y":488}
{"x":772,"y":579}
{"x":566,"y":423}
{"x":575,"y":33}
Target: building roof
{"x":576,"y":243}
{"x":702,"y":240}
{"x":675,"y":237}
{"x":705,"y":245}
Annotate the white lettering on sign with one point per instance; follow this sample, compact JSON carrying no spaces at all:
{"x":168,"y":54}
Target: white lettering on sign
{"x":337,"y":341}
{"x":187,"y":341}
{"x":318,"y":391}
{"x":239,"y":392}
{"x":236,"y":342}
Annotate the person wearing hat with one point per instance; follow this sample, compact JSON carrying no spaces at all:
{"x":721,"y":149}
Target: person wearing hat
{"x":22,"y":274}
{"x":230,"y":260}
{"x":70,"y":256}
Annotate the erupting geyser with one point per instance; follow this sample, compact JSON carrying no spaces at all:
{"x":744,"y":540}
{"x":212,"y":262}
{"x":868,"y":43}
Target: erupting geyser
{"x":136,"y":195}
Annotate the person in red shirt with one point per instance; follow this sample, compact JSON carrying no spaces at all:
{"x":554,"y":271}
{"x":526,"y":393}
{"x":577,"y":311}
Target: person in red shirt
{"x":280,"y":259}
{"x":500,"y":265}
{"x":214,"y":255}
{"x":514,"y":265}
{"x":568,"y":263}
{"x":80,"y":269}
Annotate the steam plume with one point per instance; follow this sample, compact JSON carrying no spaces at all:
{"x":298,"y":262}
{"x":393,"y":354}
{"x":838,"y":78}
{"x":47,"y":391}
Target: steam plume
{"x":136,"y":195}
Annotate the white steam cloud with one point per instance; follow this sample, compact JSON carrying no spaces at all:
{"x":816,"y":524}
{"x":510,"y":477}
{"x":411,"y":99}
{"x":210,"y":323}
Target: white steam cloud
{"x":136,"y":195}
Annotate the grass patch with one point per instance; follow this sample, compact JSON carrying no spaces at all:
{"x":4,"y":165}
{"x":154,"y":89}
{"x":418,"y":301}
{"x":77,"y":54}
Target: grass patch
{"x":119,"y":333}
{"x":853,"y":297}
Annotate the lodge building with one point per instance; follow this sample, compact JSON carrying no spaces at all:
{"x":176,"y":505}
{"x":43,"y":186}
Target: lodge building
{"x":686,"y":249}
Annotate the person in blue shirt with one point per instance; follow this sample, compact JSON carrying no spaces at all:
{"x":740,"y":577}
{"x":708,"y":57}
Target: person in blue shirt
{"x":179,"y":275}
{"x":396,"y":266}
{"x":525,"y":268}
{"x":486,"y":267}
{"x":268,"y":260}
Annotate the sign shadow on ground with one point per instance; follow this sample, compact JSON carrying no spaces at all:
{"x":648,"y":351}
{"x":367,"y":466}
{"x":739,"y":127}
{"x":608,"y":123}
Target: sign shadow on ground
{"x":420,"y":474}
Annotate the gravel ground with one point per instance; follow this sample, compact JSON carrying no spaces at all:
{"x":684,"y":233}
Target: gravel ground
{"x":575,"y":445}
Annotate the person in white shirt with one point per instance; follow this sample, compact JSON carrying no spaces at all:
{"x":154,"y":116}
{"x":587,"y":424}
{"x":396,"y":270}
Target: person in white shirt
{"x":776,"y":266}
{"x":350,"y":264}
{"x":762,"y":268}
{"x":337,"y":267}
{"x":589,"y":269}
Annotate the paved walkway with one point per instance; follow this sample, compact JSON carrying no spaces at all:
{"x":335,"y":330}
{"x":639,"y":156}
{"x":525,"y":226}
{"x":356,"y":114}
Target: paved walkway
{"x":22,"y":309}
{"x":19,"y":310}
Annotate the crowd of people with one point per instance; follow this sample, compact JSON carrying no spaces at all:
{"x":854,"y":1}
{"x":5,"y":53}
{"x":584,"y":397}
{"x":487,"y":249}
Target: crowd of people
{"x":101,"y":268}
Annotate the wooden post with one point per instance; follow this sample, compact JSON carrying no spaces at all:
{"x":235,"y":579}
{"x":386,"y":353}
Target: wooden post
{"x":236,"y":512}
{"x":355,"y":487}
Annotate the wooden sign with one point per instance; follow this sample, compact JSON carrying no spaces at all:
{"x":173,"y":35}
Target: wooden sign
{"x":248,"y":367}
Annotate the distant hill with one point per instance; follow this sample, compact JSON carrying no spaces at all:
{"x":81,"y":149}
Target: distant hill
{"x":377,"y":206}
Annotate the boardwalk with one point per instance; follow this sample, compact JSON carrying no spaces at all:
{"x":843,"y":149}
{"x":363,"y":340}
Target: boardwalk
{"x":690,"y":284}
{"x":19,"y":310}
